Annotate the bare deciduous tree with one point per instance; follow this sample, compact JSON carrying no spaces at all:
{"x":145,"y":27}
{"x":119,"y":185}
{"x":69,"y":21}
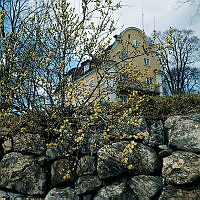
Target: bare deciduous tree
{"x":178,"y":51}
{"x":194,"y":3}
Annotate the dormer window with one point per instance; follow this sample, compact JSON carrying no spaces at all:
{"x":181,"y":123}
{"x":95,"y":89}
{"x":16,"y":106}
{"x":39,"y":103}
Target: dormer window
{"x":135,"y":43}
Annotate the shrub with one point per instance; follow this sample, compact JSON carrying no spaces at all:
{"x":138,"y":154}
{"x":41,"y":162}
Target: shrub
{"x":161,"y":107}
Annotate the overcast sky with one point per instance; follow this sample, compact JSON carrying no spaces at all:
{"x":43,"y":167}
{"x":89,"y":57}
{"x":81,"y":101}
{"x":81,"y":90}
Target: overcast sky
{"x":166,"y":13}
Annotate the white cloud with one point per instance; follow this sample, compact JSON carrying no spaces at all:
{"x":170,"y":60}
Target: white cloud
{"x":166,"y":13}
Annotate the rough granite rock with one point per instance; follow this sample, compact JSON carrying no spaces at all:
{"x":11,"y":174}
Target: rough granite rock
{"x":116,"y":192}
{"x":145,"y":187}
{"x":87,"y":183}
{"x":86,"y":165}
{"x":62,"y":193}
{"x":171,"y":193}
{"x":156,"y":135}
{"x":7,"y":145}
{"x":9,"y":196}
{"x":133,"y":130}
{"x":91,"y":144}
{"x":29,"y":143}
{"x":184,"y":132}
{"x":164,"y":151}
{"x":1,"y":155}
{"x":181,"y":168}
{"x":5,"y":132}
{"x":143,"y":158}
{"x":57,"y":152}
{"x":22,"y":173}
{"x":63,"y":170}
{"x":130,"y":129}
{"x":87,"y":197}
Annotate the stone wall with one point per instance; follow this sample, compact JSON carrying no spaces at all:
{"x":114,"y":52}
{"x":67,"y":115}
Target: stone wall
{"x":166,"y":166}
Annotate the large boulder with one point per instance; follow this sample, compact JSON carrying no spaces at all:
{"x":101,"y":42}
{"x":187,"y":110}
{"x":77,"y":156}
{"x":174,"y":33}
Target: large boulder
{"x":63,"y":170}
{"x":115,"y":191}
{"x":7,"y":145}
{"x":184,"y":132}
{"x":56,"y":152}
{"x":1,"y":152}
{"x":62,"y":193}
{"x":133,"y":130}
{"x":111,"y":161}
{"x":29,"y":143}
{"x":87,"y":197}
{"x":164,"y":151}
{"x":91,"y":143}
{"x":145,"y":187}
{"x":5,"y":141}
{"x":9,"y":195}
{"x":129,"y":129}
{"x":87,"y":183}
{"x":22,"y":173}
{"x":156,"y":135}
{"x":181,"y":168}
{"x":1,"y":155}
{"x":86,"y":165}
{"x":171,"y":193}
{"x":5,"y":132}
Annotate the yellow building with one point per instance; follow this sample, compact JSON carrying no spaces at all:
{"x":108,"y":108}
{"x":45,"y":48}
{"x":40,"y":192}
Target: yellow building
{"x":130,"y":49}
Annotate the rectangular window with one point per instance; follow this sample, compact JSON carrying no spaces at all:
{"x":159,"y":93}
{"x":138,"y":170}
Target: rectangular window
{"x":91,"y":83}
{"x":102,"y":101}
{"x":83,"y":87}
{"x":86,"y":68}
{"x":109,"y":83}
{"x":123,"y":98}
{"x":122,"y":77}
{"x":149,"y":80}
{"x":135,"y":43}
{"x":69,"y":77}
{"x":147,"y":62}
{"x":123,"y":55}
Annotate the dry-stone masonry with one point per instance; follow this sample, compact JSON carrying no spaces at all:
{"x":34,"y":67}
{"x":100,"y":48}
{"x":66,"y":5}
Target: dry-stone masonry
{"x":166,"y":165}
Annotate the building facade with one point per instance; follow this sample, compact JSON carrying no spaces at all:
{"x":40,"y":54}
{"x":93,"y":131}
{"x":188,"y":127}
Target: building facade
{"x":128,"y":61}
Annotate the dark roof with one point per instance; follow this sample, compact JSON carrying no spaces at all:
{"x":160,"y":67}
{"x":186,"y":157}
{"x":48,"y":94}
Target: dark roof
{"x":71,"y":71}
{"x":77,"y":72}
